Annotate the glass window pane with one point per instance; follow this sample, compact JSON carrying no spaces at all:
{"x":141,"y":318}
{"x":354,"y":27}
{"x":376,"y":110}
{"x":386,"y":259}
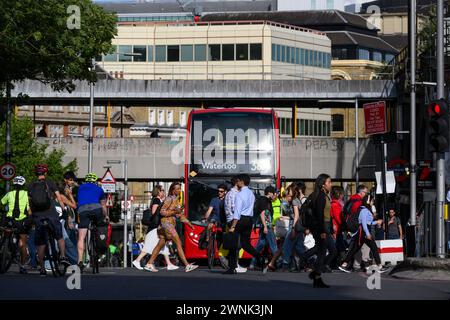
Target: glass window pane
{"x":288,"y":54}
{"x":302,"y":127}
{"x":173,"y":53}
{"x":200,"y":52}
{"x":316,"y":60}
{"x":328,"y":128}
{"x":242,"y":51}
{"x":306,"y":127}
{"x":316,"y":127}
{"x":150,"y":54}
{"x":112,"y":56}
{"x":125,"y":50}
{"x":377,"y":56}
{"x":142,"y":50}
{"x":283,"y":54}
{"x":278,"y":53}
{"x":256,"y":51}
{"x":214,"y":52}
{"x":274,"y":52}
{"x":320,"y":61}
{"x":363,"y":54}
{"x":160,"y":53}
{"x":228,"y":52}
{"x":292,"y":55}
{"x":187,"y":53}
{"x":297,"y":55}
{"x":302,"y":56}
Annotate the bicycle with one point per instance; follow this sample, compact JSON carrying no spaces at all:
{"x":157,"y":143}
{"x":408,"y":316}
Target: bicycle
{"x":92,"y":243}
{"x":51,"y":253}
{"x":8,"y":245}
{"x":211,"y":238}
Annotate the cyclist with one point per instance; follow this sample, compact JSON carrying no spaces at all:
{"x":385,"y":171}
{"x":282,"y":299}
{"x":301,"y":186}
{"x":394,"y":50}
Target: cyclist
{"x":42,"y":195}
{"x":91,"y":201}
{"x":19,"y":210}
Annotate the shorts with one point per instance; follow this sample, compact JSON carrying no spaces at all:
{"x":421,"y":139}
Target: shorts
{"x":22,"y":226}
{"x":84,"y":217}
{"x":41,"y":236}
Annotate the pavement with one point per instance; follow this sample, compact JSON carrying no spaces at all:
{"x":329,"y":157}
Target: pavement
{"x":423,"y":269}
{"x":204,"y":284}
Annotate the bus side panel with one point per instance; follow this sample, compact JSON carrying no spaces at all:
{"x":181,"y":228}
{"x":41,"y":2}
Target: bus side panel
{"x":191,"y":237}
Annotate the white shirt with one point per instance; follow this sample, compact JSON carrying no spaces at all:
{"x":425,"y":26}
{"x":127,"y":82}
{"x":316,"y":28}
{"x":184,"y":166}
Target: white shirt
{"x":230,"y":199}
{"x":448,"y":196}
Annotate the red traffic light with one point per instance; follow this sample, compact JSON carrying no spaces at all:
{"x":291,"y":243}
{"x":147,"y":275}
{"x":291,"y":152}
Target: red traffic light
{"x":437,"y":108}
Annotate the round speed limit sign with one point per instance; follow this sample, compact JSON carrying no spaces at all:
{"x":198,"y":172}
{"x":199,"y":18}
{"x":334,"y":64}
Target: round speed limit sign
{"x":7,"y":171}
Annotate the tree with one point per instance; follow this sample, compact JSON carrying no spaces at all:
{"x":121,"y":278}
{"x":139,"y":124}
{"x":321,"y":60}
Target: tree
{"x":28,"y":152}
{"x":41,"y":40}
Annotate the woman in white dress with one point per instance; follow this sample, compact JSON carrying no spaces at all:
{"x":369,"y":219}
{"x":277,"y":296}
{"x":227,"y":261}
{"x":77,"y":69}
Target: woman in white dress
{"x":151,"y":239}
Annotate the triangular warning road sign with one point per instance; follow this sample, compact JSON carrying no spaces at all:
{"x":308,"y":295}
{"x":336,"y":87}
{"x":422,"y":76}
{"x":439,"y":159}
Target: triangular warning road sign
{"x":109,"y":202}
{"x":108,"y":177}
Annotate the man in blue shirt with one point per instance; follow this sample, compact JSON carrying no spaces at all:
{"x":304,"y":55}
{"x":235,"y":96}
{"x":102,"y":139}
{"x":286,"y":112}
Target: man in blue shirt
{"x":91,"y":201}
{"x":243,"y":222}
{"x":216,"y":211}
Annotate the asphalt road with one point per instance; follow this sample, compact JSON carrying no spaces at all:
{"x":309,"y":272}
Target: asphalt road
{"x":203,"y":284}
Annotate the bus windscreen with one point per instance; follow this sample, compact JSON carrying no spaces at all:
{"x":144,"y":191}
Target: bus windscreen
{"x":232,"y":142}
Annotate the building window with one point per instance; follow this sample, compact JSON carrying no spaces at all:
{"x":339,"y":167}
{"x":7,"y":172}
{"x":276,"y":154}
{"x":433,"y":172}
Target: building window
{"x":100,"y":132}
{"x":123,"y":53}
{"x":86,"y":109}
{"x":111,"y":57}
{"x":150,"y":54}
{"x":56,"y":108}
{"x":283,"y":53}
{"x":228,"y":52}
{"x":377,"y":56}
{"x":297,"y":56}
{"x":56,"y":131}
{"x":74,"y":130}
{"x":242,"y":51}
{"x":214,"y":52}
{"x":152,"y":117}
{"x":183,"y":119}
{"x":255,"y":51}
{"x":337,"y":121}
{"x":288,"y":54}
{"x":200,"y":52}
{"x":39,"y":108}
{"x":279,"y":53}
{"x":388,"y":58}
{"x":173,"y":53}
{"x":274,"y":52}
{"x":170,"y":118}
{"x":74,"y":109}
{"x":161,"y":117}
{"x":141,"y":53}
{"x":99,"y":109}
{"x":313,"y":5}
{"x":187,"y":53}
{"x":292,"y":55}
{"x":363,"y":54}
{"x":160,"y":54}
{"x":86,"y":131}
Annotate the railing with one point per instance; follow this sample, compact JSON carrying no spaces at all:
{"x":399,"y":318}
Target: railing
{"x":221,"y":23}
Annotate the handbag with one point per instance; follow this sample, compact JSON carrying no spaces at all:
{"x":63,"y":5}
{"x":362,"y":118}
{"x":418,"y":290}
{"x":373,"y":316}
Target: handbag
{"x":281,"y":228}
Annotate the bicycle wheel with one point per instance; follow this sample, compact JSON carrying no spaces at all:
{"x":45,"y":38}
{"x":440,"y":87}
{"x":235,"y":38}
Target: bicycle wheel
{"x":93,"y":256}
{"x":49,"y":254}
{"x":5,"y":255}
{"x":211,"y":251}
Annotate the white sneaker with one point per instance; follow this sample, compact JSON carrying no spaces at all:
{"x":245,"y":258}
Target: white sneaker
{"x":137,"y":265}
{"x":172,"y":267}
{"x":191,"y":267}
{"x":151,"y":268}
{"x":240,"y":269}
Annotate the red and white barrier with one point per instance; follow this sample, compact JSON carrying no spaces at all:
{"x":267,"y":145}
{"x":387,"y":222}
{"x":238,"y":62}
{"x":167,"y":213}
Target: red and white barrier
{"x":390,"y":251}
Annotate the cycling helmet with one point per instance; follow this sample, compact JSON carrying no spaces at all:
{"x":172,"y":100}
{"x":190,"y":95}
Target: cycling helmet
{"x":41,"y":169}
{"x":19,"y":180}
{"x":91,"y":177}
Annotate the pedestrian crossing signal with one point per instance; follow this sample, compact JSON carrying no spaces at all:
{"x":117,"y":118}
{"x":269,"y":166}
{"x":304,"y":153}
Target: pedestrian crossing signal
{"x":438,"y":124}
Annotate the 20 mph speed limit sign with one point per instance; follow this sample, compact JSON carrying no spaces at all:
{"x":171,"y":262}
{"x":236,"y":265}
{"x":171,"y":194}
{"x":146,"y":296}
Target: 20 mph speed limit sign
{"x":7,"y":171}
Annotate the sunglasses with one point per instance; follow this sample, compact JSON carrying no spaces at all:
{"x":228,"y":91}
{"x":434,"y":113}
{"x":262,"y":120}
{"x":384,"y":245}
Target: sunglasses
{"x":221,"y":191}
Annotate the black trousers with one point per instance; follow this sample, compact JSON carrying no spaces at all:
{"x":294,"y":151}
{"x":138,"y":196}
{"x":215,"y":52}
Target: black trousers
{"x":320,"y":249}
{"x":358,"y":241}
{"x":243,"y":231}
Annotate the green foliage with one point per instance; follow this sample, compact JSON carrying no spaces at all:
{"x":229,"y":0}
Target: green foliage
{"x":27,"y":152}
{"x":36,"y":42}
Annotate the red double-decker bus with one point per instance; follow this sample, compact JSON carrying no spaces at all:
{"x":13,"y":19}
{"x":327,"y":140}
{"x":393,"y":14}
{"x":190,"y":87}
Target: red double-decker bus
{"x":221,"y":143}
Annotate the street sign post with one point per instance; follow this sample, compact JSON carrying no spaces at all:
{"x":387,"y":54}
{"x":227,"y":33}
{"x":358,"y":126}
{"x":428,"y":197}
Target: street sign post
{"x":108,"y":182}
{"x":375,"y":117}
{"x":7,"y":171}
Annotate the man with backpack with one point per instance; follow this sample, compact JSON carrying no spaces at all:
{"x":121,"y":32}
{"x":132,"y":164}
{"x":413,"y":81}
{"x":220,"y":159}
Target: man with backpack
{"x":18,"y":210}
{"x":42,"y":197}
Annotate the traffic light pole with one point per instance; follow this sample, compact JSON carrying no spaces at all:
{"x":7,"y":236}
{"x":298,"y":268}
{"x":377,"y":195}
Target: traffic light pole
{"x":440,"y":163}
{"x":412,"y":58}
{"x":8,"y":128}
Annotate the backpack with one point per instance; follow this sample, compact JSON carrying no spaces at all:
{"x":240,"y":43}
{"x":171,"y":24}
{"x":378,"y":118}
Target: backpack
{"x":152,"y":221}
{"x":347,"y":216}
{"x":352,"y":223}
{"x":146,"y":217}
{"x":306,"y":212}
{"x":16,"y":209}
{"x":40,"y":196}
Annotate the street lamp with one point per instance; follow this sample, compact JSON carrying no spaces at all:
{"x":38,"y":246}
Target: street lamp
{"x":125,"y":218}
